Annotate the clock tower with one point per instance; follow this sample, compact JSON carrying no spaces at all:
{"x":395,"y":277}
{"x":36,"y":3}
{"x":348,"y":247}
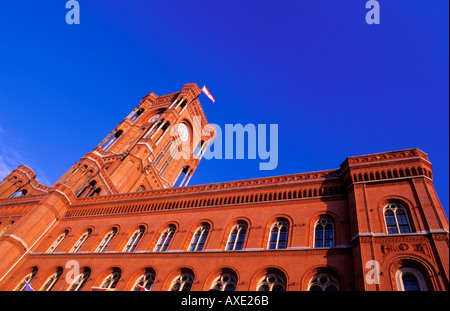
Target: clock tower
{"x":158,"y":145}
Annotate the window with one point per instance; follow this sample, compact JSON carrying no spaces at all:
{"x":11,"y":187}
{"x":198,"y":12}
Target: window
{"x":324,"y":233}
{"x":270,"y":282}
{"x":111,"y":280}
{"x":80,"y":280}
{"x":163,"y":153}
{"x":278,"y":235}
{"x":199,"y":239}
{"x":137,"y":114}
{"x":237,"y":237}
{"x":410,"y":283}
{"x":7,"y":227}
{"x":409,"y":279}
{"x":165,"y":239}
{"x":199,"y":148}
{"x":57,"y":242}
{"x":156,"y":126}
{"x":28,"y":278}
{"x":182,"y":282}
{"x":134,"y":240}
{"x":185,"y":172}
{"x":169,"y":159}
{"x":224,"y":282}
{"x":144,"y":282}
{"x":18,"y":193}
{"x":51,"y":281}
{"x":141,"y":188}
{"x":106,"y":240}
{"x":81,"y":241}
{"x":396,"y":219}
{"x":111,"y":140}
{"x":323,"y":283}
{"x":95,"y":192}
{"x":88,"y":190}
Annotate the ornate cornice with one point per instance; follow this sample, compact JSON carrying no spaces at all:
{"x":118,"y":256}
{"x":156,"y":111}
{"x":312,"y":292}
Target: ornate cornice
{"x":386,"y":156}
{"x":221,"y":195}
{"x":240,"y":184}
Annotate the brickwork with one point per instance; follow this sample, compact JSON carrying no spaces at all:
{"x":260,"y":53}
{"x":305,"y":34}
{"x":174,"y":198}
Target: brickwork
{"x":375,"y":223}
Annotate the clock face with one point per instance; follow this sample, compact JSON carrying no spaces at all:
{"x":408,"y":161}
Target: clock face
{"x":183,"y":132}
{"x":154,"y":118}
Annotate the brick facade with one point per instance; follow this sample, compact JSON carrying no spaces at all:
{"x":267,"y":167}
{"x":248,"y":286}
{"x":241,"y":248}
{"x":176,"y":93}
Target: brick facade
{"x":373,"y":224}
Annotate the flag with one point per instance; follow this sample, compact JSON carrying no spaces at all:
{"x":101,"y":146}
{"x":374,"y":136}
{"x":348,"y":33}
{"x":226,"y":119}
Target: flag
{"x":28,"y":288}
{"x":207,"y":93}
{"x":142,"y":289}
{"x":101,"y":289}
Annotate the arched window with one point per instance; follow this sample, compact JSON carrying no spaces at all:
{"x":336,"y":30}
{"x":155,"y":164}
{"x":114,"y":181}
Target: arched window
{"x":181,"y":105}
{"x":410,"y":283}
{"x":58,"y":241}
{"x":154,"y":118}
{"x":156,"y":126}
{"x":184,"y":173}
{"x":134,"y":240}
{"x":409,"y":279}
{"x":81,"y":241}
{"x":141,"y":188}
{"x":278,"y":235}
{"x":224,"y":282}
{"x":51,"y":281}
{"x":28,"y":278}
{"x":7,"y":227}
{"x":324,"y":233}
{"x":88,"y":190}
{"x":182,"y":282}
{"x":199,"y":239}
{"x":270,"y":282}
{"x":145,"y":282}
{"x":137,"y":114}
{"x":237,"y":237}
{"x":323,"y":283}
{"x":106,"y":240}
{"x":199,"y":148}
{"x":112,"y":140}
{"x":168,"y":160}
{"x":18,"y":193}
{"x":110,"y":282}
{"x":95,"y":192}
{"x":80,"y":280}
{"x":396,"y":219}
{"x":165,"y":239}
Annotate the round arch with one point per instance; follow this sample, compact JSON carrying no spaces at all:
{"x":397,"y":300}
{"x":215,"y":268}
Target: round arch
{"x":321,"y":270}
{"x":395,"y":262}
{"x":268,"y":270}
{"x":216,"y":273}
{"x":175,"y":272}
{"x":226,"y":233}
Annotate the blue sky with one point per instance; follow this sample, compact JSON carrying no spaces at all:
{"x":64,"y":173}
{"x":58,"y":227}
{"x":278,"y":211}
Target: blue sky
{"x":335,"y":86}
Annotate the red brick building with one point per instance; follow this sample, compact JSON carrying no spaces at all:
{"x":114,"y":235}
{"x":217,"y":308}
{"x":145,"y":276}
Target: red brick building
{"x":126,"y":218}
